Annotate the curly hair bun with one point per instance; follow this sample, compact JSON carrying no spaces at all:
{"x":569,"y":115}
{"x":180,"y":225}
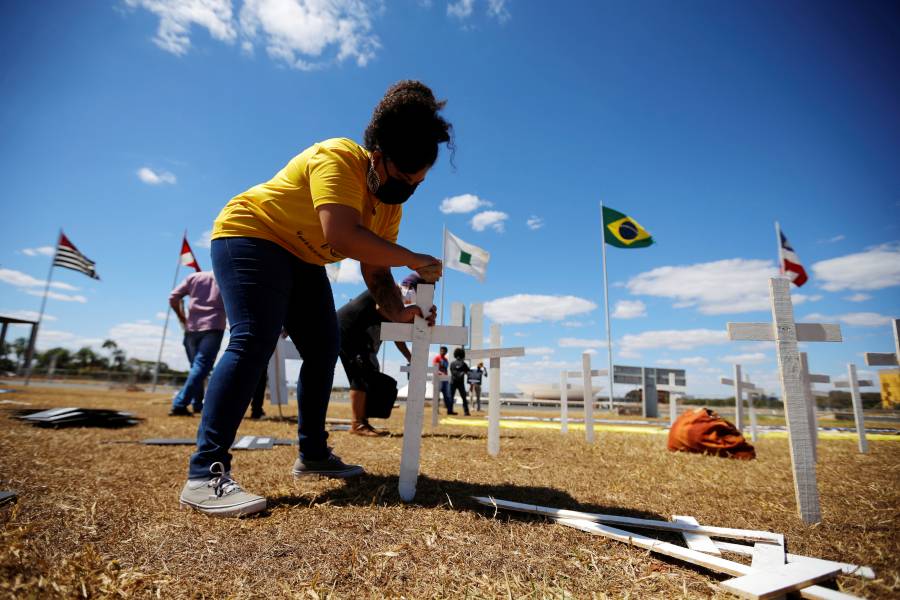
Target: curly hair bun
{"x":407,"y":128}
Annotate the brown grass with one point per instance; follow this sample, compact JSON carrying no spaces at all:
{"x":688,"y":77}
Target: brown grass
{"x":97,"y":519}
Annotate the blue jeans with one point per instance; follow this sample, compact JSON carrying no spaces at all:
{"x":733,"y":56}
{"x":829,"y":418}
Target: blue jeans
{"x":445,"y":393}
{"x":265,"y":288}
{"x":202,"y":348}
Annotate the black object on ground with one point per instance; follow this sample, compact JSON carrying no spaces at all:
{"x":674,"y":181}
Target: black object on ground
{"x":79,"y":417}
{"x":7,"y":497}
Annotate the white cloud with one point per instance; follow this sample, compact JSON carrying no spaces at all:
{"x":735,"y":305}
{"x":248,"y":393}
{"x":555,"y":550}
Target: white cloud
{"x":461,"y":9}
{"x":532,"y":308}
{"x":151,"y":177}
{"x":464,"y":203}
{"x":576,"y":324}
{"x":590,"y":351}
{"x":350,"y":272}
{"x":176,"y":17}
{"x":673,"y":339}
{"x":859,"y":319}
{"x":571,"y":342}
{"x":39,"y":251}
{"x":58,"y":296}
{"x":489,"y":218}
{"x":858,"y":297}
{"x":873,"y":269}
{"x":23,"y":280}
{"x":28,"y":315}
{"x":498,"y":10}
{"x":746,"y":359}
{"x":205,"y":240}
{"x":299,"y":32}
{"x":734,"y":285}
{"x":834,"y":239}
{"x":534,"y":222}
{"x":539,"y":350}
{"x":629,"y":309}
{"x":161,"y":315}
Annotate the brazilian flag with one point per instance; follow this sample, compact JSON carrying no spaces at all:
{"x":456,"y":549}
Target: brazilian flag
{"x":622,"y":231}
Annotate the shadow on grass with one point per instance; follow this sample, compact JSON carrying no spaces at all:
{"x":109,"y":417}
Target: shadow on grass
{"x":381,"y":490}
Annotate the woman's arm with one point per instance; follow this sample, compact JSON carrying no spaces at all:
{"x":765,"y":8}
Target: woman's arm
{"x":384,"y":289}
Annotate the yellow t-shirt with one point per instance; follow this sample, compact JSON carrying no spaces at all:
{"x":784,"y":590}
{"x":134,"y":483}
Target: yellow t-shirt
{"x":283,"y":210}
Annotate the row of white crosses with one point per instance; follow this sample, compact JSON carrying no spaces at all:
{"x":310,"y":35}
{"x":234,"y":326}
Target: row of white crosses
{"x":854,"y":383}
{"x":742,"y":385}
{"x":786,"y":333}
{"x":587,"y":374}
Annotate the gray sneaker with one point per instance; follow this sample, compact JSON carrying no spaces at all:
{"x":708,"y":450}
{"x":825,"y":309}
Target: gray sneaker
{"x":220,"y":496}
{"x":332,"y":467}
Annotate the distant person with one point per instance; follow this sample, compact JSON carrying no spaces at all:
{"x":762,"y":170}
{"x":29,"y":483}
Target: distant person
{"x":204,"y":326}
{"x":443,"y":365}
{"x":458,"y":370}
{"x":360,"y":323}
{"x":474,"y":376}
{"x":270,"y":244}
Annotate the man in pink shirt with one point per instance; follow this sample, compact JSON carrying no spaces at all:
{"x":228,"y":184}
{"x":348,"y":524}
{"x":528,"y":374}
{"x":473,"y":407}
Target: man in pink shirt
{"x":204,"y":326}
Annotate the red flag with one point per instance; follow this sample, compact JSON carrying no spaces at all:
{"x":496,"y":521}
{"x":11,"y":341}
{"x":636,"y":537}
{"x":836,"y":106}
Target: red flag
{"x":69,"y":257}
{"x":790,"y":263}
{"x":187,"y":256}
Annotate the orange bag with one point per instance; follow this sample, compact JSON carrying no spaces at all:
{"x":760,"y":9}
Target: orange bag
{"x":704,"y":431}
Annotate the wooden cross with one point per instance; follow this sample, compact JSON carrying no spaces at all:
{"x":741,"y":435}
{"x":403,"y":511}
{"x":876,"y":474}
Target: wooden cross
{"x":854,"y":384}
{"x":437,"y":378}
{"x":421,"y":336}
{"x":786,"y":333}
{"x":753,"y":395}
{"x":586,"y":374}
{"x":811,"y":393}
{"x":495,"y":354}
{"x":278,"y":391}
{"x":741,"y":385}
{"x":674,"y":391}
{"x":887,"y":359}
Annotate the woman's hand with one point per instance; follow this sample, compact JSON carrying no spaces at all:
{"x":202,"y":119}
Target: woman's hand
{"x":409,"y":313}
{"x":428,"y":267}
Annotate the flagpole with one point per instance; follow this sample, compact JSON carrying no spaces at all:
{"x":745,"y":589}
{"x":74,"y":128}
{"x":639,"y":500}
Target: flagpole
{"x":780,"y":255}
{"x":34,"y":331}
{"x":443,"y":276}
{"x":606,"y":298}
{"x":162,"y":343}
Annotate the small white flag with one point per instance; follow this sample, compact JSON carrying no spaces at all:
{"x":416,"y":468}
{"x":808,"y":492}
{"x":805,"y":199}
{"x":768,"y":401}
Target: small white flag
{"x":465,"y":257}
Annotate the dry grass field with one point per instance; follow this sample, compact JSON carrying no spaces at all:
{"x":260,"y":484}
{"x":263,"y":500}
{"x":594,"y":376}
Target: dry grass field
{"x":96,"y":518}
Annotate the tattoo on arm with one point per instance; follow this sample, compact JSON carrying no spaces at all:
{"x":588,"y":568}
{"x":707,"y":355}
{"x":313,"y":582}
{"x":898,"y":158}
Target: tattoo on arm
{"x":384,"y":289}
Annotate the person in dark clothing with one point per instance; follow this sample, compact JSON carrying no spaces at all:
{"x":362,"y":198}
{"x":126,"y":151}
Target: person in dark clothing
{"x":259,"y":395}
{"x":475,"y":376}
{"x":360,"y":325}
{"x":458,"y":370}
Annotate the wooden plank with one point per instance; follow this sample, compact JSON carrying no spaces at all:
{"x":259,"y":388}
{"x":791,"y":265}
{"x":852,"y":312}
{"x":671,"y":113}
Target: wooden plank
{"x":594,"y":373}
{"x":588,"y":398}
{"x":859,"y":382}
{"x":496,"y":352}
{"x":673,"y":406}
{"x":563,"y":403}
{"x":814,"y":378}
{"x":493,"y":441}
{"x":881,"y":359}
{"x":476,"y":322}
{"x":811,"y":411}
{"x":738,"y":398}
{"x":696,"y":541}
{"x":805,"y":332}
{"x":752,"y":410}
{"x":775,"y":582}
{"x":858,"y":417}
{"x":767,"y":556}
{"x":396,"y":332}
{"x":819,"y":332}
{"x":650,"y":399}
{"x":803,"y":462}
{"x":846,"y":568}
{"x":747,"y":332}
{"x":723,"y":532}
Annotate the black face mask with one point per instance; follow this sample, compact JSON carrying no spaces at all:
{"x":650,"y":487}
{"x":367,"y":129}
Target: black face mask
{"x":394,"y":191}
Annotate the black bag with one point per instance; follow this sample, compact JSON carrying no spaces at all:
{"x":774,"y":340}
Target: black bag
{"x":381,"y":393}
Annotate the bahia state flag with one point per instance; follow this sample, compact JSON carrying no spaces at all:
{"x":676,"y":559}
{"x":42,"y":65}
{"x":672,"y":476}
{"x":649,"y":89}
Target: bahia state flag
{"x":622,"y":231}
{"x":465,"y":257}
{"x":70,"y":257}
{"x":790,"y":262}
{"x":187,"y":256}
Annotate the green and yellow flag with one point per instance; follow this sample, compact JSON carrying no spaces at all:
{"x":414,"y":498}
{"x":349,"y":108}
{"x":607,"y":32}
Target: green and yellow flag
{"x":622,"y":231}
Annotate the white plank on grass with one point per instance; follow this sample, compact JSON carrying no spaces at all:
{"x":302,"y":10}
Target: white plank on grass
{"x":714,"y":563}
{"x":696,"y":541}
{"x":558,"y":513}
{"x":495,"y":353}
{"x":846,"y":568}
{"x":766,"y":556}
{"x":563,"y":403}
{"x":422,"y":336}
{"x":774,"y":582}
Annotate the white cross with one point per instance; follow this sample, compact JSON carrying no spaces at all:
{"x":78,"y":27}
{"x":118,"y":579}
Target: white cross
{"x":887,"y":359}
{"x":753,"y":395}
{"x":741,"y":385}
{"x":811,"y":393}
{"x":436,"y":379}
{"x":674,"y":392}
{"x":495,"y":354}
{"x":586,"y":374}
{"x":476,"y":323}
{"x":284,"y":351}
{"x":786,"y":333}
{"x":421,"y":336}
{"x":854,"y":384}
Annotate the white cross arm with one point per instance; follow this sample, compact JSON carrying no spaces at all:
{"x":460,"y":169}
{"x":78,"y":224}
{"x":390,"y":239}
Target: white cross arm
{"x":433,"y":371}
{"x":814,"y":378}
{"x":881,"y":359}
{"x":744,"y":384}
{"x":441,"y":334}
{"x":594,"y":373}
{"x":819,"y":394}
{"x":859,"y":382}
{"x":498,"y":353}
{"x":765,"y":332}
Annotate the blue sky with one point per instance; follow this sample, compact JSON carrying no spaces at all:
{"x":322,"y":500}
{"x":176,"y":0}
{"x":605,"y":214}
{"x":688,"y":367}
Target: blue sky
{"x":126,"y":122}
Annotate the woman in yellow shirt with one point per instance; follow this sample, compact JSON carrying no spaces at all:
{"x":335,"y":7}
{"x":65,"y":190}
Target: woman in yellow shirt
{"x":334,"y":200}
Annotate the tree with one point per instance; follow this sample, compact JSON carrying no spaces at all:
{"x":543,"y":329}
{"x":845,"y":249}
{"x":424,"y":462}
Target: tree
{"x":62,"y":356}
{"x":86,"y":357}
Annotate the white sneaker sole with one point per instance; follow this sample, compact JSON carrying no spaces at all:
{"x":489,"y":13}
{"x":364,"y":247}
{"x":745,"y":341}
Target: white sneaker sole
{"x":236,"y":510}
{"x":354,"y":472}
